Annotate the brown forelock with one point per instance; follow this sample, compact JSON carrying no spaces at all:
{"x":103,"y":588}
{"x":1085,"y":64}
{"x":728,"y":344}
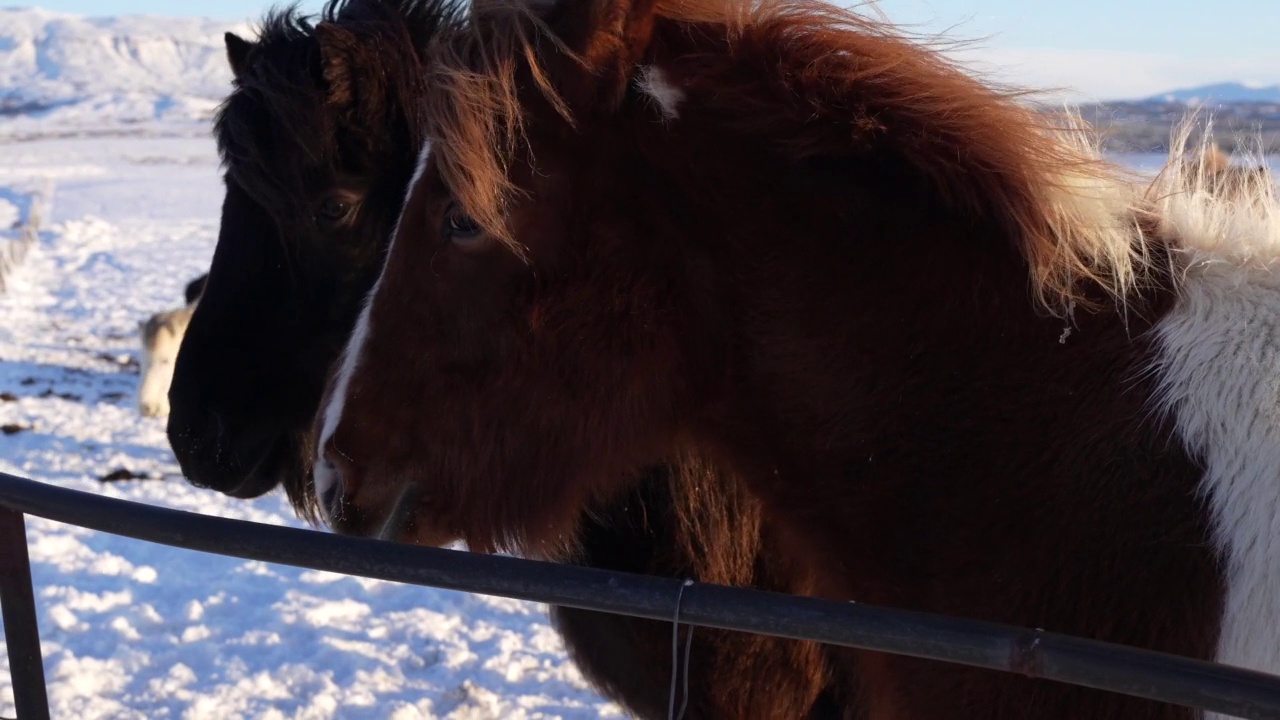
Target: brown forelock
{"x":1214,"y":160}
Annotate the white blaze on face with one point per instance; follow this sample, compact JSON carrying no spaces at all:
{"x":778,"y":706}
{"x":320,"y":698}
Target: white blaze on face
{"x":325,"y":476}
{"x":161,"y":339}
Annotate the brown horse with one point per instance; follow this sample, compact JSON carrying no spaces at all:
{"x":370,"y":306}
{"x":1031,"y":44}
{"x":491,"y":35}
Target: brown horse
{"x":966,"y":368}
{"x":304,"y":227}
{"x":1222,"y":175}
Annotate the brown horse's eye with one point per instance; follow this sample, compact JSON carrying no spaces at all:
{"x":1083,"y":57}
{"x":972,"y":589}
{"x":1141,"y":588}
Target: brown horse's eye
{"x":460,"y":228}
{"x":333,"y":210}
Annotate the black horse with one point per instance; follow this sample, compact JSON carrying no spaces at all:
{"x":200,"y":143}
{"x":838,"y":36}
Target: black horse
{"x":315,"y":174}
{"x":319,"y":140}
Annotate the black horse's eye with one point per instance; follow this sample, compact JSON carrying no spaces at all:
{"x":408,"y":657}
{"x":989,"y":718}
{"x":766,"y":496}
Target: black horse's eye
{"x":333,"y":210}
{"x":459,"y":227}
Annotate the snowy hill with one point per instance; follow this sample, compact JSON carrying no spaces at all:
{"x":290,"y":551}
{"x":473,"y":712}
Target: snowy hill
{"x":1225,"y":92}
{"x":62,"y":73}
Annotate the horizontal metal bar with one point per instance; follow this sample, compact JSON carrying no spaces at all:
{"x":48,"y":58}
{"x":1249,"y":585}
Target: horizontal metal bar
{"x":21,"y":632}
{"x":1032,"y":653}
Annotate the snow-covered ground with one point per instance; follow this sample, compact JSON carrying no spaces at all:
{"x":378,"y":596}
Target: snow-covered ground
{"x":134,"y":630}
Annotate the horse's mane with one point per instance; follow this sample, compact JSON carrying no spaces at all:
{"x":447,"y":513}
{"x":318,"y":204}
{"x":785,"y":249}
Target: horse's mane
{"x":1216,"y":227}
{"x":288,"y":38}
{"x":275,"y":97}
{"x":823,"y":80}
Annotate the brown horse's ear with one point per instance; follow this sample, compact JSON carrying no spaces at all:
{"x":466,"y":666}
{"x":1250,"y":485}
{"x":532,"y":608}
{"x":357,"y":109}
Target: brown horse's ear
{"x":237,"y":52}
{"x":1215,"y":160}
{"x":335,"y":57}
{"x":609,"y":37}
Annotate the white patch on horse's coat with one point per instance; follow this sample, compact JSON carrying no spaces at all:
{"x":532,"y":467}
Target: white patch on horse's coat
{"x":162,"y":335}
{"x":653,"y":82}
{"x":324,"y":476}
{"x":1218,"y":365}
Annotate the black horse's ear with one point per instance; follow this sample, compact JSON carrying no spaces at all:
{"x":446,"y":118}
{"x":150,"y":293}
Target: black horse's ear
{"x":237,"y":52}
{"x":195,"y":288}
{"x":609,"y":37}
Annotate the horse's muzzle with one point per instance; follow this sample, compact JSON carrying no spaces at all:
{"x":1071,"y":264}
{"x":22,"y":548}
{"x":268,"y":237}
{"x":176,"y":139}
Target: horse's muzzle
{"x":244,"y":465}
{"x":350,"y":507}
{"x":330,"y":486}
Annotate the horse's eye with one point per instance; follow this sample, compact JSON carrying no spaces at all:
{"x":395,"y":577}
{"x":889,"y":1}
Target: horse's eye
{"x":460,"y":228}
{"x":333,"y":210}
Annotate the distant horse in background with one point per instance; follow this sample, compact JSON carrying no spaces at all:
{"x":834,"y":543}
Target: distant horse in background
{"x":965,"y":365}
{"x":161,"y":336}
{"x":319,"y":140}
{"x":1220,"y":174}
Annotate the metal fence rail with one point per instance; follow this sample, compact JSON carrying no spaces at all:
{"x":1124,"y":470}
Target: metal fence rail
{"x":1032,"y":653}
{"x":21,"y":633}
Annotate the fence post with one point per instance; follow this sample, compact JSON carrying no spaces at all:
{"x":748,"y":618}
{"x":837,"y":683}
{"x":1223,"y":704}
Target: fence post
{"x":21,"y":635}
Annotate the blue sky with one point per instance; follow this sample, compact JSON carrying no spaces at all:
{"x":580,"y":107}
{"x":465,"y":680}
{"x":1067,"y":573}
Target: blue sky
{"x":220,"y":9}
{"x":1097,"y":48}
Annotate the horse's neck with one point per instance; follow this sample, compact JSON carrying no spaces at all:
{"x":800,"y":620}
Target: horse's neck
{"x":914,"y":348}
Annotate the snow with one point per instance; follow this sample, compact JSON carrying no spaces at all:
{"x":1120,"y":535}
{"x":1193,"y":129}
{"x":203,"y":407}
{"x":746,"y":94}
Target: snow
{"x":134,"y":630}
{"x":68,"y":74}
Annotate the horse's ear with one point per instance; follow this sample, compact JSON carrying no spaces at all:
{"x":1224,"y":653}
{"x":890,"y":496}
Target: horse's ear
{"x":610,"y":37}
{"x":335,"y":57}
{"x":237,"y":52}
{"x":1215,"y":160}
{"x":195,"y":288}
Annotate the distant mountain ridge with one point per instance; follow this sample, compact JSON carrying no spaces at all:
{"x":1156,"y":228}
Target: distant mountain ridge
{"x":62,"y":69}
{"x":1220,"y":93}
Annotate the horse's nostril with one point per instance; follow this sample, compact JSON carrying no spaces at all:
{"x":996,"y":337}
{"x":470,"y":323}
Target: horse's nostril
{"x":329,"y":488}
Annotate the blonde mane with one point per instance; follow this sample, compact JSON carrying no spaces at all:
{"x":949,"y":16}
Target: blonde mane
{"x":1068,"y":212}
{"x":1212,"y":225}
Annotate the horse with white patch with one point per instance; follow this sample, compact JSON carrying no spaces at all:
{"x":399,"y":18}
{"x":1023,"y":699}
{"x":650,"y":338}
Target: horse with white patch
{"x":161,"y":336}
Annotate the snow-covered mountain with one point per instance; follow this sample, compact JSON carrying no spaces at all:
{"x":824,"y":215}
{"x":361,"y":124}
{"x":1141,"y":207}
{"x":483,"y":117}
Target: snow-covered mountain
{"x":61,"y":72}
{"x":1225,"y":92}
